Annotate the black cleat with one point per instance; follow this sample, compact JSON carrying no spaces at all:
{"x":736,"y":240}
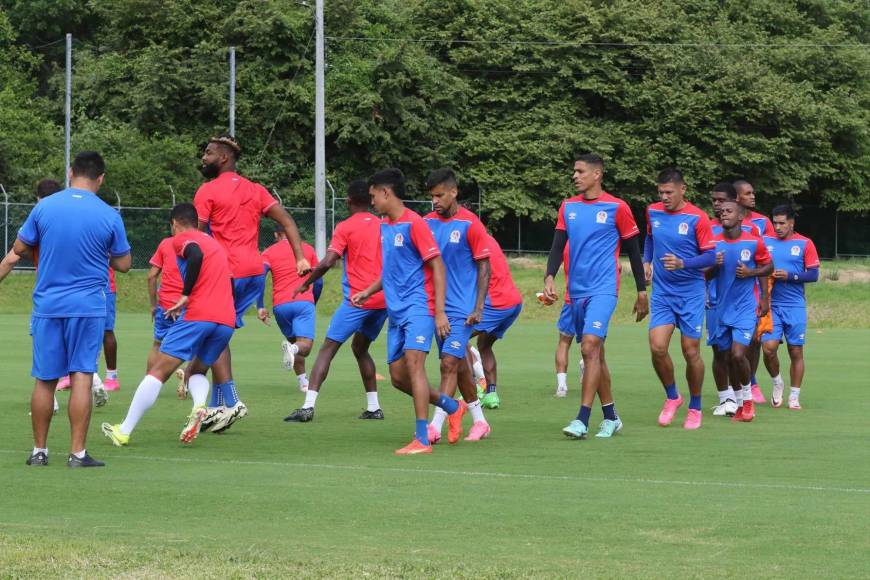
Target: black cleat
{"x":378,"y":414}
{"x":300,"y":416}
{"x":86,"y":461}
{"x":38,"y":459}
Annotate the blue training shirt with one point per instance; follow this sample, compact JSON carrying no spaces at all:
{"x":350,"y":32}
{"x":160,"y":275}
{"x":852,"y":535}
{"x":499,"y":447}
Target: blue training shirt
{"x":685,"y":233}
{"x":735,"y":297}
{"x":795,"y":254}
{"x":462,"y":240}
{"x":406,"y":245}
{"x":76,"y":233}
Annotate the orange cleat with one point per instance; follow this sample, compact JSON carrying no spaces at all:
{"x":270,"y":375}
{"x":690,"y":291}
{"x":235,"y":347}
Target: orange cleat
{"x":746,"y":413}
{"x":414,"y":448}
{"x":454,"y":423}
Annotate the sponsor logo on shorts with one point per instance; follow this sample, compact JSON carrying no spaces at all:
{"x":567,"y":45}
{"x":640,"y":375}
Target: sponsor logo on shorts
{"x":420,"y":340}
{"x":745,"y":255}
{"x":454,"y":237}
{"x":601,"y":217}
{"x":801,"y":336}
{"x":399,"y":240}
{"x":596,"y":324}
{"x":795,"y":250}
{"x":683,"y":228}
{"x":455,"y":344}
{"x":698,"y":328}
{"x":747,"y":335}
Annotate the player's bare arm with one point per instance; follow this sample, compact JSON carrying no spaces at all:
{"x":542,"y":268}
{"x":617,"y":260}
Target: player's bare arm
{"x":282,"y":218}
{"x":318,"y":272}
{"x":483,"y":274}
{"x":153,"y":275}
{"x":22,"y":250}
{"x":439,"y":280}
{"x":121,"y":263}
{"x":360,"y":298}
{"x":8,"y":263}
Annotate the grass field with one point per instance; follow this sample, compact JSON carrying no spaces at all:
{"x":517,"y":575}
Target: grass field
{"x":785,"y":496}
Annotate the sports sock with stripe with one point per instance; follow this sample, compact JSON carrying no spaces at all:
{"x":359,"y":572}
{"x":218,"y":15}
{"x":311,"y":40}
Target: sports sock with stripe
{"x":228,"y":390}
{"x":490,"y":388}
{"x":609,"y":411}
{"x":584,"y":414}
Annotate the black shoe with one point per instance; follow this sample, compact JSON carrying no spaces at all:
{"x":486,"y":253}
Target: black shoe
{"x":86,"y":461}
{"x":38,"y":459}
{"x":300,"y":416}
{"x":378,"y":414}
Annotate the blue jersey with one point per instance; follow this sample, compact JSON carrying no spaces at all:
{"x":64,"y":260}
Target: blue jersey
{"x":462,"y":240}
{"x":76,"y":233}
{"x":406,"y":245}
{"x":735,"y":297}
{"x":749,"y":227}
{"x":795,"y":254}
{"x":595,"y":230}
{"x":685,"y":233}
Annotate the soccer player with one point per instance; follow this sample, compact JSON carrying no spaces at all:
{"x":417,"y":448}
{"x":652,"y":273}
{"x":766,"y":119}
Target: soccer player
{"x":413,"y":281}
{"x":230,"y":207}
{"x":464,"y":247}
{"x":205,"y":319}
{"x":595,"y":224}
{"x":679,"y":246}
{"x":77,"y":234}
{"x":357,"y":240}
{"x":565,"y":326}
{"x":164,"y":264}
{"x":502,"y":307}
{"x":795,"y":262}
{"x":294,"y":313}
{"x":746,"y":198}
{"x":741,"y":257}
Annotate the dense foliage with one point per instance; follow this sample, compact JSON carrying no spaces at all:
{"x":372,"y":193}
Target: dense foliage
{"x":505,"y":91}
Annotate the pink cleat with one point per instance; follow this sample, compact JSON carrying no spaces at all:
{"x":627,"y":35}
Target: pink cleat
{"x":757,"y":395}
{"x":111,"y":385}
{"x":434,"y":435}
{"x":693,"y":420}
{"x":669,"y":410}
{"x":62,"y":383}
{"x":480,"y":430}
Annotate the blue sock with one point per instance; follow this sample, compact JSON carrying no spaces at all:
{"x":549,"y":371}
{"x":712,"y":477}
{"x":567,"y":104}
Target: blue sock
{"x":421,"y":431}
{"x":695,"y":402}
{"x":228,"y":391}
{"x":753,"y":380}
{"x":215,"y":397}
{"x":609,"y":412}
{"x":584,"y":414}
{"x":671,"y":391}
{"x":490,"y":388}
{"x":449,"y":405}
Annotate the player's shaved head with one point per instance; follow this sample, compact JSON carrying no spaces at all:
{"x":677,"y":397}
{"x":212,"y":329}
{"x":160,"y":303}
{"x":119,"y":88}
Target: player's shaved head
{"x":391,"y":178}
{"x":184,"y":214}
{"x":444,"y":176}
{"x":47,"y":187}
{"x":89,"y":165}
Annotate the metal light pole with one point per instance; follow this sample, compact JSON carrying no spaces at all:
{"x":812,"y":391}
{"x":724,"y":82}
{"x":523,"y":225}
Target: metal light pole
{"x":67,"y":107}
{"x":319,"y":137}
{"x":233,"y":91}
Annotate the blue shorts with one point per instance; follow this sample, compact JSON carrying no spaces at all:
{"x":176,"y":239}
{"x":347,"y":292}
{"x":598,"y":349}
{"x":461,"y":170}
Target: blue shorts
{"x":592,"y":314}
{"x":496,"y":321}
{"x":712,"y":324}
{"x":295,"y":319}
{"x":741,"y":332}
{"x":565,"y":325}
{"x":245,"y":293}
{"x":65,"y":345}
{"x":686,"y":312}
{"x":790,"y":322}
{"x":411,"y":333}
{"x":111,"y":299}
{"x":348,"y":320}
{"x":189,"y":339}
{"x":161,"y":324}
{"x":455,"y":342}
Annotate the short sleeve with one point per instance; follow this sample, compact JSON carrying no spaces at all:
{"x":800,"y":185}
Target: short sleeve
{"x":560,"y":220}
{"x":265,"y":198}
{"x":157,"y":259}
{"x":762,"y":256}
{"x":265,"y":258}
{"x":811,"y":257}
{"x":29,"y":231}
{"x":478,"y":240}
{"x":423,"y":240}
{"x":703,"y":233}
{"x":179,"y":245}
{"x":203,"y":203}
{"x":625,"y":221}
{"x":119,"y":245}
{"x":338,"y":243}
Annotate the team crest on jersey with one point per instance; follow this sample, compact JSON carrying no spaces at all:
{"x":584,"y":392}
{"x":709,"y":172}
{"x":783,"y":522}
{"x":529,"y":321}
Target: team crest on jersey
{"x":656,"y":223}
{"x":399,"y":240}
{"x":770,"y":249}
{"x":454,"y":237}
{"x":795,"y":250}
{"x":572,"y":215}
{"x":745,"y":255}
{"x":683,"y":229}
{"x":601,"y":217}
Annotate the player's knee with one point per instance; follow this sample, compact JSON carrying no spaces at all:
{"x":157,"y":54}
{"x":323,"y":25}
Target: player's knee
{"x":449,"y":364}
{"x":304,"y":347}
{"x":590,"y":349}
{"x":691,"y":352}
{"x":658,"y":350}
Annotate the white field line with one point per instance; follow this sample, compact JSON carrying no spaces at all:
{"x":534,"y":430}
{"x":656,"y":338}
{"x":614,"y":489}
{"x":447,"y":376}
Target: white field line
{"x":493,"y":474}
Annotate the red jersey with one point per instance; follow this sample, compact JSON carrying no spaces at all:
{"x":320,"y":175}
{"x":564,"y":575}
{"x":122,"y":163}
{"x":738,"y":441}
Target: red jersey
{"x":212,"y":297}
{"x":357,"y":240}
{"x":503,"y":293}
{"x":764,"y":225}
{"x":112,"y":288}
{"x":171,"y":283}
{"x":232,"y":206}
{"x":280,"y":259}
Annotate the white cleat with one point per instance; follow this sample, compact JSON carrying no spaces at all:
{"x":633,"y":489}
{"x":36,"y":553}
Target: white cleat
{"x":776,"y":394}
{"x":726,"y":409}
{"x":101,"y":396}
{"x":289,"y":358}
{"x":212,"y":414}
{"x":561,"y":392}
{"x":229,"y":416}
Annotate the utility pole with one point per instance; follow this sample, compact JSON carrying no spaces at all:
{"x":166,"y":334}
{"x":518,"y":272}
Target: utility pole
{"x":319,"y":137}
{"x":67,"y":107}
{"x":233,"y":91}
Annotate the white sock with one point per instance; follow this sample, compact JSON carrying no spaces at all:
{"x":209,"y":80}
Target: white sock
{"x":198,"y":387}
{"x":372,"y":404}
{"x":747,"y":392}
{"x":303,"y":380}
{"x":478,"y":370}
{"x":294,"y":348}
{"x":81,"y":454}
{"x":562,"y":381}
{"x":777,"y":380}
{"x":723,"y":396}
{"x":56,"y":405}
{"x":738,"y":394}
{"x":310,"y":399}
{"x":438,"y":418}
{"x":795,"y":393}
{"x":476,"y":411}
{"x":111,"y":373}
{"x":144,"y":397}
{"x":40,"y":450}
